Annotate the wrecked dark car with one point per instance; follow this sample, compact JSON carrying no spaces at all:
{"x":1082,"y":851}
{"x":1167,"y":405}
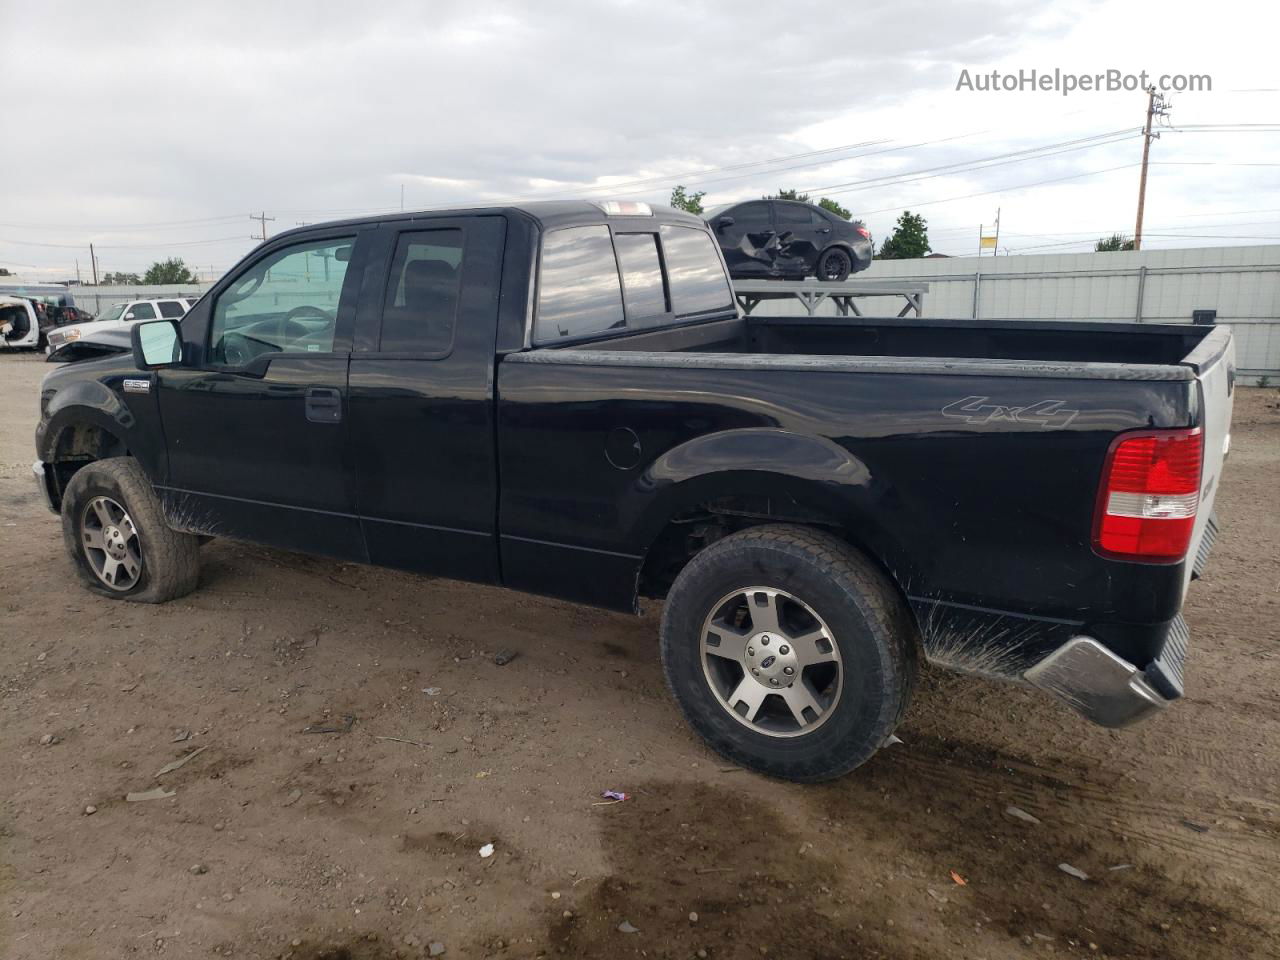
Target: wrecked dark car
{"x":789,"y":240}
{"x":562,"y":398}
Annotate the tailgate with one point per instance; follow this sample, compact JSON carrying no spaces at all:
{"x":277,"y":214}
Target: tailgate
{"x":1214,"y":362}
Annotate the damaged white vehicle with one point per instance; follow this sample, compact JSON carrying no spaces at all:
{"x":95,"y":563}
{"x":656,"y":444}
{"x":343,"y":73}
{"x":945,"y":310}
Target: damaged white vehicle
{"x":122,"y":316}
{"x":19,"y":326}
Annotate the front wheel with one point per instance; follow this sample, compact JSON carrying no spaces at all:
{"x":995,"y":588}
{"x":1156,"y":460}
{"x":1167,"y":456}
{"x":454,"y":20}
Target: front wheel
{"x":789,"y":652}
{"x":834,"y":265}
{"x":114,"y":528}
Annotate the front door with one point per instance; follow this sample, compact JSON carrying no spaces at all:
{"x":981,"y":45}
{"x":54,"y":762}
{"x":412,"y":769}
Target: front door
{"x":423,"y":447}
{"x":749,"y":242}
{"x":256,"y":428}
{"x":801,"y":234}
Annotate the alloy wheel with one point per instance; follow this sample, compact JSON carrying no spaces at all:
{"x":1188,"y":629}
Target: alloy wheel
{"x":771,"y":661}
{"x":111,"y":543}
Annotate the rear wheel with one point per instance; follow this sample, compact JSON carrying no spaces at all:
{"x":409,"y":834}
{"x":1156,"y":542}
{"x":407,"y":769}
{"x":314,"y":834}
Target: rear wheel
{"x":834,"y":265}
{"x":114,"y":529}
{"x":789,"y":652}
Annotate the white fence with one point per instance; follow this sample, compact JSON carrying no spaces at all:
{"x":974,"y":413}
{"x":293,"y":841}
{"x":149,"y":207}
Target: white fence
{"x":98,"y":299}
{"x":1151,"y":286}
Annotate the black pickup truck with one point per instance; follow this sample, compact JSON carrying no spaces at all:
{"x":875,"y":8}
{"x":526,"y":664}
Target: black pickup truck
{"x":562,"y":398}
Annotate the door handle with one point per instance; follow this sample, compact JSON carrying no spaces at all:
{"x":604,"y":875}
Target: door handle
{"x":323,"y":405}
{"x":824,"y":230}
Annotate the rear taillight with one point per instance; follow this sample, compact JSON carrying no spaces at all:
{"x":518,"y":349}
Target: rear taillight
{"x":863,"y":232}
{"x":1149,"y":494}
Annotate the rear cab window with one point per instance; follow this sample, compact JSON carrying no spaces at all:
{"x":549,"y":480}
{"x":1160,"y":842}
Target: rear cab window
{"x":596,"y":280}
{"x":697,"y":277}
{"x":579,"y":292}
{"x":171,"y":308}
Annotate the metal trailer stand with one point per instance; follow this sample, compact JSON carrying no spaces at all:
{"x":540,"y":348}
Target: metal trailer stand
{"x":812,"y":293}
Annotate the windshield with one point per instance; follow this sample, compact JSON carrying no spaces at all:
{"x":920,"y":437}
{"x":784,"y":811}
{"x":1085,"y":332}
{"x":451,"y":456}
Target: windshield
{"x":112,"y":312}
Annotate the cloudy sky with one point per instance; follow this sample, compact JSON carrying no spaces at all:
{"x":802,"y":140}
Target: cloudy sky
{"x":154,"y":129}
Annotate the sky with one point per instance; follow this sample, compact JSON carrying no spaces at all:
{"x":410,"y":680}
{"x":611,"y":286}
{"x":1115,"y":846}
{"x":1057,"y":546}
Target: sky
{"x":154,"y":130}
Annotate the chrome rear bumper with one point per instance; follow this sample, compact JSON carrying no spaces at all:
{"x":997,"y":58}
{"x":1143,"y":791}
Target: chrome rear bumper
{"x":1102,"y":686}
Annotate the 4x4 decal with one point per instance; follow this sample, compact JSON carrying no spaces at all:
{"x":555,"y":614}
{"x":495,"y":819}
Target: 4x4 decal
{"x":1042,"y":413}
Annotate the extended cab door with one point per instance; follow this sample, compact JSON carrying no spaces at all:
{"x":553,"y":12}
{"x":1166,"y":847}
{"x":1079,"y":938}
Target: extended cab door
{"x":422,"y":396}
{"x":255,"y":420}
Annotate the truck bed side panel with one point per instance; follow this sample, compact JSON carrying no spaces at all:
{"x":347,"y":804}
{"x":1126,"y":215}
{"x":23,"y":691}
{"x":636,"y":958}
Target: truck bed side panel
{"x":972,"y":488}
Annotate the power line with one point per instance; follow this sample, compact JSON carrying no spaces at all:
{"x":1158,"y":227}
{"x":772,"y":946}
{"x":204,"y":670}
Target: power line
{"x":124,"y":246}
{"x":982,"y":163}
{"x":987,"y":193}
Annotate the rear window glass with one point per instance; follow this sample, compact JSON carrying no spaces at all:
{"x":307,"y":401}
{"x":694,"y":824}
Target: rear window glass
{"x":642,"y":289}
{"x":171,"y":308}
{"x":751,"y":215}
{"x":421,"y":305}
{"x":578,"y":289}
{"x":698,"y":282}
{"x":792,"y":213}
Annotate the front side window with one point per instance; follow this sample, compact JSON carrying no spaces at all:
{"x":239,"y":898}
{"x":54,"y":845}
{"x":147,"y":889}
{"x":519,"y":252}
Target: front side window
{"x":286,"y":302}
{"x":171,"y":308}
{"x":697,"y":278}
{"x":112,"y":312}
{"x":141,"y":311}
{"x":642,"y":289}
{"x":578,"y":289}
{"x":421,"y":304}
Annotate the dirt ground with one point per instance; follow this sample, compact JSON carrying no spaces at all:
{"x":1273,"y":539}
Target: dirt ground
{"x":360,"y":845}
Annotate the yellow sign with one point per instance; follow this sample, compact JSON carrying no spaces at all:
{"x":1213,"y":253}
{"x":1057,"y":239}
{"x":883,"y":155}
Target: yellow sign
{"x":987,"y":243}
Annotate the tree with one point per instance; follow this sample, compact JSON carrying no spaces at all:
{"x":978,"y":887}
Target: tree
{"x":4,"y":272}
{"x":910,"y":238}
{"x":121,"y":279}
{"x":826,"y":203}
{"x":1113,"y":244}
{"x":689,"y":202}
{"x":172,"y":270}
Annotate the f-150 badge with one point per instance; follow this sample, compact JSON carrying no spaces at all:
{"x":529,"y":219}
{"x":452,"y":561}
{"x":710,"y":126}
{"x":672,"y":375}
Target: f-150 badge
{"x":1042,"y":413}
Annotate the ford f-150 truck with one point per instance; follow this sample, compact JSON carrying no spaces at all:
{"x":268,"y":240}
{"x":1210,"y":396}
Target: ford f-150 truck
{"x":562,"y":398}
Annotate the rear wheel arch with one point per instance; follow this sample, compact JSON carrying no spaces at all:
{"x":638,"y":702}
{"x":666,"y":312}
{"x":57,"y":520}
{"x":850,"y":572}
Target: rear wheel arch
{"x":718,"y":507}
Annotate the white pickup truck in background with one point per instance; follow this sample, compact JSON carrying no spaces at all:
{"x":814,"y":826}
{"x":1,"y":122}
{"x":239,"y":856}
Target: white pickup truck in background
{"x":121,"y":316}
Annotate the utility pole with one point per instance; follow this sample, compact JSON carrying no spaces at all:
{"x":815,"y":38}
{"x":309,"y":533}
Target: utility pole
{"x":261,"y":218}
{"x":995,"y":250}
{"x":77,"y":271}
{"x":402,"y":198}
{"x":93,"y":260}
{"x":1156,"y":107}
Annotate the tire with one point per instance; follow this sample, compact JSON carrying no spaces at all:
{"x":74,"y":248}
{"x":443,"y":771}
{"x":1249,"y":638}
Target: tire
{"x":815,"y":576}
{"x":113,"y":520}
{"x":834,"y":265}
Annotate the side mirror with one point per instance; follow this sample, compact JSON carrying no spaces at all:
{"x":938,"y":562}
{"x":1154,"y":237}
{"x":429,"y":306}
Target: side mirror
{"x":156,"y":343}
{"x":725,"y":222}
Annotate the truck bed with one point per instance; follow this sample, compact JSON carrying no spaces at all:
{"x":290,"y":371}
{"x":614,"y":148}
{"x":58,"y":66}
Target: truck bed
{"x":1075,"y":345}
{"x":965,"y":456}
